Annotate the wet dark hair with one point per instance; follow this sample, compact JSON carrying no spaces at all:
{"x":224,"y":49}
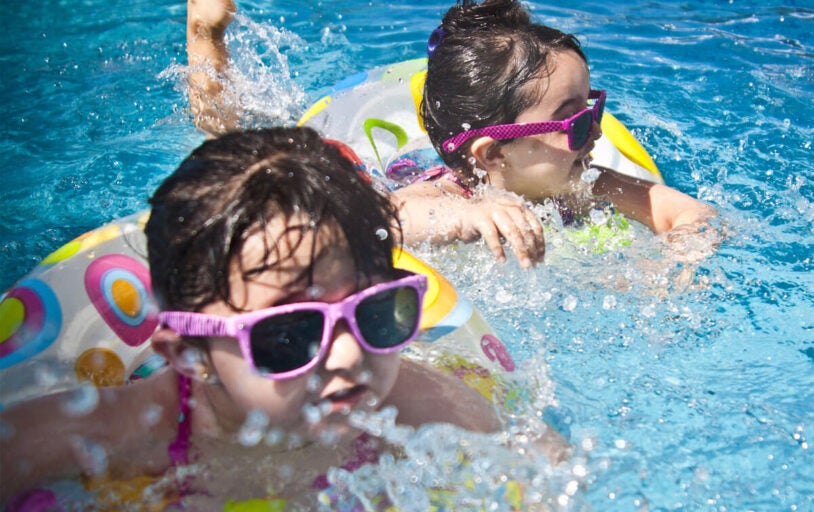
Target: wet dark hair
{"x":480,"y":68}
{"x":232,"y":186}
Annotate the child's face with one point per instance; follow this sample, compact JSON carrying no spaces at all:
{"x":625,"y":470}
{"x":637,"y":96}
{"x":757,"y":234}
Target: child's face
{"x":542,"y":166}
{"x":347,"y":378}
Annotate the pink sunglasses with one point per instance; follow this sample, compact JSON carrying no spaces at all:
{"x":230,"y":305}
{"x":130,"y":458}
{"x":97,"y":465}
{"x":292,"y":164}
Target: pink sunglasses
{"x":283,"y":342}
{"x":578,"y":127}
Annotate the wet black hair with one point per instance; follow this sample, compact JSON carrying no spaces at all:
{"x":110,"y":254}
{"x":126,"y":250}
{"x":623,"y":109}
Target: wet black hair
{"x":480,"y":69}
{"x":232,"y":186}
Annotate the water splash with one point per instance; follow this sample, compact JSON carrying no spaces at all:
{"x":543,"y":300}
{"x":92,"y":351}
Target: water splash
{"x":259,"y":84}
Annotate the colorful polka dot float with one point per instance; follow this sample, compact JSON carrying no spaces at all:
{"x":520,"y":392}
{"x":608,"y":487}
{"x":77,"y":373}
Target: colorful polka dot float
{"x":119,"y":288}
{"x":30,"y":321}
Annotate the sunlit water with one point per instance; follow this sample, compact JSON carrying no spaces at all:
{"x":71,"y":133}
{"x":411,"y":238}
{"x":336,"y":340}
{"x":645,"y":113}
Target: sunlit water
{"x":682,"y":385}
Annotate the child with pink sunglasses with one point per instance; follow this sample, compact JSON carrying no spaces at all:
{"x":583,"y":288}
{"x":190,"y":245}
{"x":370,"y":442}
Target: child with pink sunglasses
{"x":505,"y":105}
{"x":280,"y":309}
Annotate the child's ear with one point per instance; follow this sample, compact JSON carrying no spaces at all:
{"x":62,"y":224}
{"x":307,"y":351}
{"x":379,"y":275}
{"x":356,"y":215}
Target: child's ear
{"x":488,"y":153}
{"x":184,"y":358}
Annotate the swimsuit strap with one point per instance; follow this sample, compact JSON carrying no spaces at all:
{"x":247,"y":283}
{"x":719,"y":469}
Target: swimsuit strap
{"x":179,"y":449}
{"x":441,"y":171}
{"x":365,"y":451}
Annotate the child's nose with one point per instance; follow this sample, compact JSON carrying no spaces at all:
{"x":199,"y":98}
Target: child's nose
{"x":345,"y":352}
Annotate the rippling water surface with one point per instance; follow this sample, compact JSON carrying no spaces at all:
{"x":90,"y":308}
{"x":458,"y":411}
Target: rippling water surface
{"x":684,"y":386}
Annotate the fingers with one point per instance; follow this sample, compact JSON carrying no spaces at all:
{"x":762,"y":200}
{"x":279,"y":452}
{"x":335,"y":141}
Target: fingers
{"x":523,"y":232}
{"x":491,"y":235}
{"x":510,"y":222}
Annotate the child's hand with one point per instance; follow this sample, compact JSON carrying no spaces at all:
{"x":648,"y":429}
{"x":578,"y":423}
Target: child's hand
{"x":212,"y":107}
{"x":436,"y":212}
{"x":692,"y":242}
{"x":211,"y":15}
{"x":497,"y":217}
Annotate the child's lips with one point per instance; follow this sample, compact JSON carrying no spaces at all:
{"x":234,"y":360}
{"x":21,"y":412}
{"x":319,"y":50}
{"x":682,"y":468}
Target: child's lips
{"x":346,"y":398}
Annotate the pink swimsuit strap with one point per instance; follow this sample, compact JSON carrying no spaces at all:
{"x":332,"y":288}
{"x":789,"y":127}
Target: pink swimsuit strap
{"x":179,"y":449}
{"x":441,"y":171}
{"x":365,"y":451}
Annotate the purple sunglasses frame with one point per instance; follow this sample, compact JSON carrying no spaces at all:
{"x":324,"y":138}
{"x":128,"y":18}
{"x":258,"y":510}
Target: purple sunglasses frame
{"x":516,"y":130}
{"x":187,"y":323}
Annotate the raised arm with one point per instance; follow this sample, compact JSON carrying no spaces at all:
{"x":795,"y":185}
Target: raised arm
{"x":212,"y":109}
{"x":436,"y":212}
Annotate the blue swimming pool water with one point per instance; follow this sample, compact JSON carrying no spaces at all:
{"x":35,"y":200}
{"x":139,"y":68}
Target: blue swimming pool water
{"x":685,"y":386}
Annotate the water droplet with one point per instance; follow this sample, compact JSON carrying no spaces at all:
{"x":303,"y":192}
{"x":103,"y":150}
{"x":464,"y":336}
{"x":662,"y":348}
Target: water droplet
{"x":569,"y":303}
{"x":598,"y":217}
{"x":92,"y":456}
{"x":46,"y":374}
{"x":325,"y":408}
{"x":503,"y":296}
{"x":151,"y":415}
{"x":314,"y":384}
{"x":329,"y":436}
{"x":314,"y":292}
{"x":81,"y":401}
{"x":590,"y":175}
{"x":253,"y":429}
{"x":579,"y":470}
{"x":609,"y":302}
{"x":295,"y":440}
{"x":274,"y":436}
{"x":311,"y":413}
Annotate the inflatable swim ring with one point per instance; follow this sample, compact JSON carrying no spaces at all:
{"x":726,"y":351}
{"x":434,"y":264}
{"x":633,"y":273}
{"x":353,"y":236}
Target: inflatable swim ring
{"x":86,"y":314}
{"x":376,"y":113}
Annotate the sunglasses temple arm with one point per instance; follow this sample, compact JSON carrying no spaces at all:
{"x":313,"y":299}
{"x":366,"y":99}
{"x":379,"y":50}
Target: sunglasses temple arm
{"x":193,"y":324}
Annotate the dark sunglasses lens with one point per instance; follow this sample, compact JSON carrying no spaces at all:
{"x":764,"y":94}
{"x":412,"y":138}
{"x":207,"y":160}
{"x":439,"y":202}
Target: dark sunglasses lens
{"x":581,"y":129}
{"x":283,"y":343}
{"x":387,"y":319}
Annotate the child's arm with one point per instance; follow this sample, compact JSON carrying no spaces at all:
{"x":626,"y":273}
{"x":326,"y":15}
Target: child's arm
{"x":435,"y":211}
{"x":660,"y":207}
{"x":53,"y":437}
{"x":424,"y":394}
{"x":207,"y":57}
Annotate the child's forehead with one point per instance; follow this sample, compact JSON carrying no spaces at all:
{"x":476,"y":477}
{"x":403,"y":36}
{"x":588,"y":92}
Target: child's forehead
{"x":291,"y":252}
{"x":566,"y":77}
{"x":290,"y":242}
